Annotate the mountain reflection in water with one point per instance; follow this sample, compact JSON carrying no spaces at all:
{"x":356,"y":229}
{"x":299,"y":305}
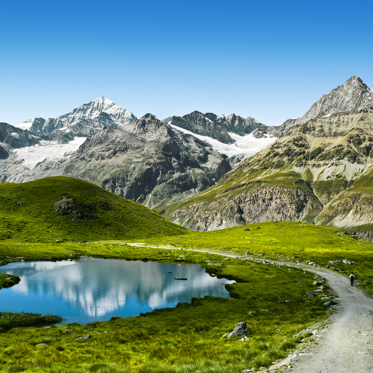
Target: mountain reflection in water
{"x":91,"y":289}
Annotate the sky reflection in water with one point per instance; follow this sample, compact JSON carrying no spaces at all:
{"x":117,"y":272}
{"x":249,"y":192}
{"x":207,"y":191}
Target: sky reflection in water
{"x":91,"y":289}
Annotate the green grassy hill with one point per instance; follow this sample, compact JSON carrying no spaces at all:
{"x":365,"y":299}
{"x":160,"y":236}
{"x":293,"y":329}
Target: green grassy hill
{"x":67,"y":209}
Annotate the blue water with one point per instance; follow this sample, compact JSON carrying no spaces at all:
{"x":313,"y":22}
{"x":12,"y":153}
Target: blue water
{"x":91,"y":289}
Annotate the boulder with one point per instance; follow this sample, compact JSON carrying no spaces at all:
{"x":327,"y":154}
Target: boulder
{"x":311,"y":294}
{"x":66,"y":331}
{"x":84,"y":337}
{"x":239,"y":330}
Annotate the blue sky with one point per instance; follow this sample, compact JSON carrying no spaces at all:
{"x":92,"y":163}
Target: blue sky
{"x":267,"y":59}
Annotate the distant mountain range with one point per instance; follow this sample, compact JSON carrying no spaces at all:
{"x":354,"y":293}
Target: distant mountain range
{"x":320,"y":171}
{"x":146,"y":160}
{"x":299,"y":170}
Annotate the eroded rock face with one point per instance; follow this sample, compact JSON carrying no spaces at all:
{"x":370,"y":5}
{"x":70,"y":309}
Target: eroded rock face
{"x":67,"y":206}
{"x":352,"y":208}
{"x":258,"y":205}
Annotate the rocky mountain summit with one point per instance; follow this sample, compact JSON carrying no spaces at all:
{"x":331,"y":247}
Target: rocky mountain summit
{"x":350,"y":96}
{"x":84,"y":120}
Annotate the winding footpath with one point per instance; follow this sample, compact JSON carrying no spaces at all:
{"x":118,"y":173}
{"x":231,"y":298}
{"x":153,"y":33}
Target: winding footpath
{"x":346,"y":345}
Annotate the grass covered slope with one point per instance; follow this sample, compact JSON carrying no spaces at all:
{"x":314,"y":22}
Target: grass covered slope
{"x":67,"y":209}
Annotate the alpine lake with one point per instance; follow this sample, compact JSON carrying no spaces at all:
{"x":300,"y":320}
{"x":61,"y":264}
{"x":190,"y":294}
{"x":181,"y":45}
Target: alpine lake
{"x":92,"y":289}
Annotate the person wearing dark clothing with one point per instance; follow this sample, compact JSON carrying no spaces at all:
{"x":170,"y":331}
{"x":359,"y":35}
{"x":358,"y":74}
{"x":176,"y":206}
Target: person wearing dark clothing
{"x":352,"y":278}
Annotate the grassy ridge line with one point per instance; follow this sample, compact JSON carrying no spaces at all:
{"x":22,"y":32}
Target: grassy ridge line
{"x":271,"y":299}
{"x":67,"y":209}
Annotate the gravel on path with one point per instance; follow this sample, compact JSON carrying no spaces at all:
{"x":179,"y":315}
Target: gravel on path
{"x":347,"y":345}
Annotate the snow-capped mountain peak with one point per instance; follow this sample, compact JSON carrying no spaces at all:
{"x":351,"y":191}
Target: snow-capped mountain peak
{"x":84,"y":120}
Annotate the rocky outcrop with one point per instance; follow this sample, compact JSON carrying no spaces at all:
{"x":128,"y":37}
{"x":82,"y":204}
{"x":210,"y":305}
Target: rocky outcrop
{"x":365,"y":235}
{"x":239,"y":330}
{"x":4,"y":154}
{"x":236,"y":124}
{"x":67,"y":206}
{"x":257,"y":205}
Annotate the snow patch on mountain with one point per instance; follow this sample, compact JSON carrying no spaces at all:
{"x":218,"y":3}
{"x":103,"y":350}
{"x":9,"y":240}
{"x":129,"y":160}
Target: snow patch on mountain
{"x":25,"y":125}
{"x":244,"y":145}
{"x":32,"y":155}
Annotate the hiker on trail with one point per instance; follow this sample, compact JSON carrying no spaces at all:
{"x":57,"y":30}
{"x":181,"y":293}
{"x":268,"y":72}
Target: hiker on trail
{"x":352,"y":278}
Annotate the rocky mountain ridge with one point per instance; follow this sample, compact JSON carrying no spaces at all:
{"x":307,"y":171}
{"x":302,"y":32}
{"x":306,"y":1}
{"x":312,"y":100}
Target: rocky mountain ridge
{"x":350,"y":96}
{"x":319,"y":171}
{"x":216,"y":126}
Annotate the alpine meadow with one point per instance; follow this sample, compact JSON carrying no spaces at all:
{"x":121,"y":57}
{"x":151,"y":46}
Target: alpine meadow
{"x":222,"y":222}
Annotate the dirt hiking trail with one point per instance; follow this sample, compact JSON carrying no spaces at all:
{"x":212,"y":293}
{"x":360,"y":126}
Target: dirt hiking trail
{"x":346,"y":345}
